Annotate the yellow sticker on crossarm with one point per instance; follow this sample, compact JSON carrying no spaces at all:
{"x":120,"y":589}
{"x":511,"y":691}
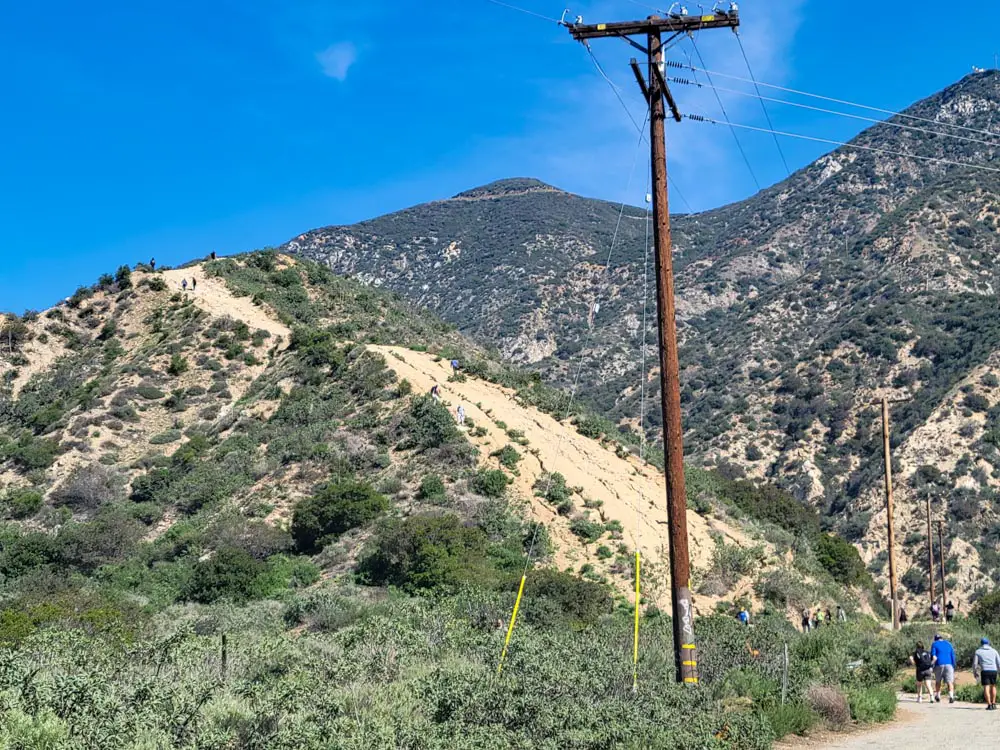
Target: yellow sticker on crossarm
{"x":706,"y":19}
{"x":602,"y":26}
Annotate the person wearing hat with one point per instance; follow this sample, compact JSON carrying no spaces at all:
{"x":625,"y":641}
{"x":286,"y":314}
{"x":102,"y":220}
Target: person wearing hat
{"x":985,"y":665}
{"x":944,"y":667}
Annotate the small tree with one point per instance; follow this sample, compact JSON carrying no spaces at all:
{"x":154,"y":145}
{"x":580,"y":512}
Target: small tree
{"x":231,"y":573}
{"x":123,"y":277}
{"x":335,"y":509}
{"x":178,"y":365}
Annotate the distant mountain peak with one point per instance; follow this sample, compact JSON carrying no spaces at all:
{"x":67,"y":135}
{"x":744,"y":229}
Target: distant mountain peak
{"x":502,"y":188}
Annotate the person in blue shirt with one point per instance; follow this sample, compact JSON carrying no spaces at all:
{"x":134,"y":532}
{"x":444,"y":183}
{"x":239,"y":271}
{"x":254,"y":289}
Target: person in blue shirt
{"x":744,"y":616}
{"x":944,"y":667}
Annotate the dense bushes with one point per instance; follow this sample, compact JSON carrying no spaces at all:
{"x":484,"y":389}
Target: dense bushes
{"x":986,"y":611}
{"x":427,"y":552}
{"x":556,"y":599}
{"x":335,"y":509}
{"x":230,"y":573}
{"x":841,"y":560}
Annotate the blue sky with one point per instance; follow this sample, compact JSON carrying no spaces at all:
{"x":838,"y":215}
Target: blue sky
{"x":145,"y":129}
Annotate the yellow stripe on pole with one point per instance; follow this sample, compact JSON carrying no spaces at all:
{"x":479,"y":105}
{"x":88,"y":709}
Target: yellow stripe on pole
{"x":691,"y":680}
{"x":513,"y":620}
{"x":635,"y":637}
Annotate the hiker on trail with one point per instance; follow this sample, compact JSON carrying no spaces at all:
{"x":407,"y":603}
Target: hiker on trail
{"x":184,"y":284}
{"x":152,"y":264}
{"x":213,"y":255}
{"x":985,"y":665}
{"x":819,"y":617}
{"x":949,"y":612}
{"x":744,"y":616}
{"x":944,"y":667}
{"x":935,"y":612}
{"x":454,"y":366}
{"x":806,"y":624}
{"x":903,"y":617}
{"x":922,"y":659}
{"x":828,"y":617}
{"x":461,"y":414}
{"x":841,"y":614}
{"x":194,"y":284}
{"x":436,"y":393}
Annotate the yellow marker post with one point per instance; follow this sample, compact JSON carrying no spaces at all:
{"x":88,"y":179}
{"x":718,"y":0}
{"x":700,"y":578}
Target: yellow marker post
{"x":635,"y":637}
{"x":513,"y":620}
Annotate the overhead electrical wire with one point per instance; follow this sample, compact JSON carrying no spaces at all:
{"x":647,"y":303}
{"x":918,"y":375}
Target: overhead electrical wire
{"x":890,"y":112}
{"x":763,"y":106}
{"x":725,"y":114}
{"x":816,"y":139}
{"x":523,"y":10}
{"x":823,"y":110}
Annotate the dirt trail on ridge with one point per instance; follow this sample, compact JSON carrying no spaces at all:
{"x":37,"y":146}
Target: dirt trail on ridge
{"x":632,"y":493}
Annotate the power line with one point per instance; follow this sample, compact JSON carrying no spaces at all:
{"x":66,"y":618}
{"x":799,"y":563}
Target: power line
{"x":890,"y":152}
{"x":890,"y":112}
{"x":767,"y":116}
{"x":523,"y":10}
{"x":725,"y":114}
{"x":823,"y":110}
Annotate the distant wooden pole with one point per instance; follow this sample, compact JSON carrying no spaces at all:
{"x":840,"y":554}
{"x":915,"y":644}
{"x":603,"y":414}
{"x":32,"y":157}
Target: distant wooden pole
{"x":889,"y":512}
{"x":930,"y":551}
{"x":944,"y":586}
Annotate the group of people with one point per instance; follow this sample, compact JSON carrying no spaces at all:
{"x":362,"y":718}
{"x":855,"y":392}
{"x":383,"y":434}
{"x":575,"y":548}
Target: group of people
{"x":949,"y":613}
{"x":939,"y":664}
{"x":459,"y":412}
{"x":812,"y":620}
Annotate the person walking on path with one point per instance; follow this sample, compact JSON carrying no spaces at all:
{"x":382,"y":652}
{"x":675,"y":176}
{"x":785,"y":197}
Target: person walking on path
{"x":935,"y":612}
{"x":949,"y":612}
{"x":805,"y":621}
{"x":841,"y":614}
{"x":152,"y":264}
{"x":944,"y":667}
{"x":194,"y":284}
{"x":461,"y":415}
{"x":923,"y":661}
{"x":436,"y":393}
{"x":985,"y":665}
{"x":903,"y":617}
{"x":454,"y":367}
{"x":184,"y":284}
{"x":213,"y":255}
{"x":744,"y":616}
{"x":820,"y":617}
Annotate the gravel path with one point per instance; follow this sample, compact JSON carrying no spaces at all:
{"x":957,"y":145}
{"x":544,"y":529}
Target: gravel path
{"x":940,"y":726}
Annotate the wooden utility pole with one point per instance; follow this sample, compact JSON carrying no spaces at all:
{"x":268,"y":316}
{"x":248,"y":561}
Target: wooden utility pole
{"x":658,"y":96}
{"x":887,"y":453}
{"x":930,"y":550}
{"x":944,"y":586}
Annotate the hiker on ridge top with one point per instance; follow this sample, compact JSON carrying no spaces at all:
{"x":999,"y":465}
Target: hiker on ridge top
{"x":184,"y":284}
{"x":949,"y":612}
{"x":152,"y":264}
{"x":461,"y":414}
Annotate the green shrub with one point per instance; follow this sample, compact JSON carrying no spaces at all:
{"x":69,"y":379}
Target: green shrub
{"x":968,"y":693}
{"x":427,"y":552}
{"x":490,"y":482}
{"x":791,"y":718}
{"x":977,"y":402}
{"x":831,"y":704}
{"x":429,"y":425}
{"x":431,"y":486}
{"x":123,"y":277}
{"x":841,"y":560}
{"x":552,"y":487}
{"x":986,"y":611}
{"x":604,"y":552}
{"x":150,"y":392}
{"x":178,"y":365}
{"x":587,"y":530}
{"x":166,"y":437}
{"x":507,"y":456}
{"x":23,"y":502}
{"x":337,"y":508}
{"x":872,"y":705}
{"x":553,"y":598}
{"x":156,"y":284}
{"x":28,"y":452}
{"x":230,"y":574}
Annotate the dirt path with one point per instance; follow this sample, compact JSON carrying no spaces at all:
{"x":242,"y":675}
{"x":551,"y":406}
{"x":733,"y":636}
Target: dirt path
{"x":940,"y":726}
{"x":630,"y":492}
{"x":213,"y":296}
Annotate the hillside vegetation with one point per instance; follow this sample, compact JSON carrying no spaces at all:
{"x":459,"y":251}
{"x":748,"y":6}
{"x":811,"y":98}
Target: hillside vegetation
{"x":258,"y":458}
{"x":861,"y":275}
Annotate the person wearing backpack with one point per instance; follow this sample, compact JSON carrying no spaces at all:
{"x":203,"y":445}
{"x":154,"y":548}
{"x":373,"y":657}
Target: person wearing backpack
{"x":924,"y":663}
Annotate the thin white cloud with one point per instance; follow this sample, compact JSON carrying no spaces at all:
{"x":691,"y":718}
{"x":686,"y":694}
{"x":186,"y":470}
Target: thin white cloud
{"x":337,"y":59}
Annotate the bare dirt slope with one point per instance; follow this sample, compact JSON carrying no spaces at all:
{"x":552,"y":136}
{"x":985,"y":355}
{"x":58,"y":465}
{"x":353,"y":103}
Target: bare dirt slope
{"x":629,"y":491}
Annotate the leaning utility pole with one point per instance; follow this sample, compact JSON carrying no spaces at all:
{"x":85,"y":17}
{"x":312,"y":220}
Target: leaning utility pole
{"x":656,"y":91}
{"x":944,"y":586}
{"x":930,"y":550}
{"x":887,"y":454}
